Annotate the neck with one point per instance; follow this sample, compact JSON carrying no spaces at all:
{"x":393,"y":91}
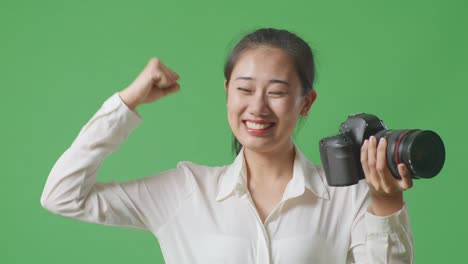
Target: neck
{"x":269,"y":168}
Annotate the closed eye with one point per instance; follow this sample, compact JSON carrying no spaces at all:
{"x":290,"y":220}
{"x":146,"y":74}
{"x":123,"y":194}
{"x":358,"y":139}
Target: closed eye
{"x":278,"y":94}
{"x":250,"y":91}
{"x":244,"y":90}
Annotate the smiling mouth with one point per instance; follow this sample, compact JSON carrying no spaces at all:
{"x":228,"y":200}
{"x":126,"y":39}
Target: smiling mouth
{"x":257,"y":126}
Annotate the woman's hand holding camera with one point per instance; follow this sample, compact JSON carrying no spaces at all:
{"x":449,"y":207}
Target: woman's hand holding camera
{"x":154,"y":82}
{"x":386,"y":190}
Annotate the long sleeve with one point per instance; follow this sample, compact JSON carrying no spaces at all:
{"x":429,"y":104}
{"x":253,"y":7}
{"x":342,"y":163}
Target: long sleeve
{"x":381,"y":239}
{"x":71,"y":189}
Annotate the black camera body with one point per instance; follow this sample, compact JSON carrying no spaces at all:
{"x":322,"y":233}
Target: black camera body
{"x":422,"y":151}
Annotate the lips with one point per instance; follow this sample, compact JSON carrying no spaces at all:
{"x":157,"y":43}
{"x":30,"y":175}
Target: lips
{"x":258,"y":127}
{"x":260,"y":121}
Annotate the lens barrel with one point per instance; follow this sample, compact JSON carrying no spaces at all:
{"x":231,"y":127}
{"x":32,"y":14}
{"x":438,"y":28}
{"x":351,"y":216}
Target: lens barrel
{"x":422,"y":151}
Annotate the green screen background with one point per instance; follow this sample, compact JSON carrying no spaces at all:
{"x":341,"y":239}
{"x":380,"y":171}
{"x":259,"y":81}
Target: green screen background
{"x":405,"y":61}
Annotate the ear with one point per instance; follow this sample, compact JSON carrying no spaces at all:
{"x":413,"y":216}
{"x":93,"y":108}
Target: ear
{"x":225,"y":85}
{"x":309,"y":100}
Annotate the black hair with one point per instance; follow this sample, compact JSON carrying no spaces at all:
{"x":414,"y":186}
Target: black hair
{"x":297,"y":49}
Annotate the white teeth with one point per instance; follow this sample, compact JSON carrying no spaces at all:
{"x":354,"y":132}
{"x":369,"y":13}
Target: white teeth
{"x":253,"y":125}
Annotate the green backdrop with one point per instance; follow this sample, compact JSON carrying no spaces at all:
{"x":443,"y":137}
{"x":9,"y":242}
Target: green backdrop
{"x":405,"y":61}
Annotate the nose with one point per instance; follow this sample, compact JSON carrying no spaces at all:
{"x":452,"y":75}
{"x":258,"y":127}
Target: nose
{"x":259,"y":105}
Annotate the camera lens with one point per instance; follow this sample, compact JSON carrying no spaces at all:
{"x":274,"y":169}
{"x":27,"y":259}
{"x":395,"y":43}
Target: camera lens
{"x":422,"y":151}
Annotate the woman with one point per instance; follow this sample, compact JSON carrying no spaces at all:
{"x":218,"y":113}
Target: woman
{"x":271,"y":205}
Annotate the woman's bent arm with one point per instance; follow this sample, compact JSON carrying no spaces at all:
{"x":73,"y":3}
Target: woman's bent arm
{"x":72,"y":191}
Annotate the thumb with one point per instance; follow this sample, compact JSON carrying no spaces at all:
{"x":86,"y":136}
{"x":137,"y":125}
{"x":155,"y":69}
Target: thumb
{"x":171,"y":89}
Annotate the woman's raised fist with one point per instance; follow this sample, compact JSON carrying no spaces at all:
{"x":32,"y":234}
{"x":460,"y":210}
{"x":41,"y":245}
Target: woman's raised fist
{"x":154,"y":82}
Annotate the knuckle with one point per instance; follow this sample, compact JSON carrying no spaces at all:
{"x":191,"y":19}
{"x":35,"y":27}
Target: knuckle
{"x":155,"y":75}
{"x":363,"y":159}
{"x":381,"y":143}
{"x":380,"y":167}
{"x":378,"y":187}
{"x":388,"y":189}
{"x":381,"y":149}
{"x":155,"y":61}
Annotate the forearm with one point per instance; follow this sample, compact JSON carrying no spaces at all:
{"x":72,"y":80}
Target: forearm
{"x":386,"y":205}
{"x":128,"y":99}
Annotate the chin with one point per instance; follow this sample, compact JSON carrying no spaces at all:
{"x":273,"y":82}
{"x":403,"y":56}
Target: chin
{"x":259,"y":145}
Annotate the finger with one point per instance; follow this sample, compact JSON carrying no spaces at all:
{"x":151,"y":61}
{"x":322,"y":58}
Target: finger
{"x":164,"y":92}
{"x":173,"y":89}
{"x":154,"y":72}
{"x":365,"y":166}
{"x":384,"y":173}
{"x":170,"y":73}
{"x":371,"y":161}
{"x":154,"y":66}
{"x":406,"y":181}
{"x":177,"y":75}
{"x":166,"y":80}
{"x":174,"y":74}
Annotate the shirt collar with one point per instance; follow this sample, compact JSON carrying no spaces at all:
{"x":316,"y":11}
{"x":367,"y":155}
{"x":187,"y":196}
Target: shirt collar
{"x":305,"y":175}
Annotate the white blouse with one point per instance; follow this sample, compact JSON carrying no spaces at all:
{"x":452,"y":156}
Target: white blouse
{"x":202,"y":214}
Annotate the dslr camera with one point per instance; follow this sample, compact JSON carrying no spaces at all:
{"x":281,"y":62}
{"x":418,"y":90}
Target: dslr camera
{"x":422,"y":151}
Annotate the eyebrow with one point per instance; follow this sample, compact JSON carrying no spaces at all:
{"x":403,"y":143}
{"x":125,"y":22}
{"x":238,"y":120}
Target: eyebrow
{"x":271,"y":81}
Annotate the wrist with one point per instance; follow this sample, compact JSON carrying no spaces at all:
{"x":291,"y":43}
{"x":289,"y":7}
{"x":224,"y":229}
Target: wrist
{"x":128,"y":100}
{"x":383,"y":205}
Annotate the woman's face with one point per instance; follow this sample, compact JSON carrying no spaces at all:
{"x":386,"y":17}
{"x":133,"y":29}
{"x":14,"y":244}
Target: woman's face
{"x":264,"y":99}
